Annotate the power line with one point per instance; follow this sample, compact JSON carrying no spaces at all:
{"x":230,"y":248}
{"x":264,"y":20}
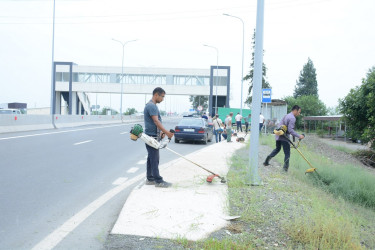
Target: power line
{"x":242,"y":9}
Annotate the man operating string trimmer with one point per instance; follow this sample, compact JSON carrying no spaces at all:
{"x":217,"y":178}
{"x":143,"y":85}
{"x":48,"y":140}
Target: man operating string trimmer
{"x":152,"y":136}
{"x":155,"y":129}
{"x":289,"y":121}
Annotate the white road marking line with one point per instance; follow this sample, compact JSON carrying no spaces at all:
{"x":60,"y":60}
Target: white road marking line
{"x":82,"y":142}
{"x":132,"y":170}
{"x":60,"y":233}
{"x":141,"y":162}
{"x":119,"y":181}
{"x":140,"y":185}
{"x":123,"y":133}
{"x":66,"y":131}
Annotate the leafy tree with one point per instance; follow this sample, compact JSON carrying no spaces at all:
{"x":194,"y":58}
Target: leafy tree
{"x":250,"y":75}
{"x":310,"y":106}
{"x":199,"y":100}
{"x":358,"y":109}
{"x":307,"y":83}
{"x":106,"y":110}
{"x":130,"y":111}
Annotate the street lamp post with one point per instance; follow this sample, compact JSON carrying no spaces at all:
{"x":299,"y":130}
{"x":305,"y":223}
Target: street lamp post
{"x":53,"y":68}
{"x":217,"y":71}
{"x":243,"y":45}
{"x":122,"y":69}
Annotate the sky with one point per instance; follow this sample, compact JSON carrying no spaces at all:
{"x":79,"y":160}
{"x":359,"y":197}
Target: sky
{"x":336,"y":34}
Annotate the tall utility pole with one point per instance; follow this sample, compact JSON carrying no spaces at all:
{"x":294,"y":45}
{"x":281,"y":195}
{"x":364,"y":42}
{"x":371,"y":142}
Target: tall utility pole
{"x":217,"y":72}
{"x":256,"y":101}
{"x":53,"y":66}
{"x":243,"y":47}
{"x":122,"y":69}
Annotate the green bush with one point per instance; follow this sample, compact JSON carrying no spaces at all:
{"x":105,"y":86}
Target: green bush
{"x":320,"y":132}
{"x":358,"y":108}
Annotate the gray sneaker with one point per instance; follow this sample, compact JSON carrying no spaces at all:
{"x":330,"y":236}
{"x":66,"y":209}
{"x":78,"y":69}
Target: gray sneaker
{"x":163,"y":184}
{"x":150,"y":182}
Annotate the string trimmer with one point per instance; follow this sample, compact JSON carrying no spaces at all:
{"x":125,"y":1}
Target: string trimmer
{"x":137,"y":132}
{"x":281,"y":132}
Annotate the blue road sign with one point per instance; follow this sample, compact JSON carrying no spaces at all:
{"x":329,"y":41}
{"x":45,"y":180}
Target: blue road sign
{"x":266,"y":96}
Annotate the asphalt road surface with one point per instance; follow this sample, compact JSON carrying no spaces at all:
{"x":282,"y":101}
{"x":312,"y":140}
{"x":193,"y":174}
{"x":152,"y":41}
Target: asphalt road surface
{"x":64,"y":188}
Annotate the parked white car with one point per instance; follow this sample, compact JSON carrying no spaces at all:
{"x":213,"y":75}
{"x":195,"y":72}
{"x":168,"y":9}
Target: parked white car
{"x":10,"y":112}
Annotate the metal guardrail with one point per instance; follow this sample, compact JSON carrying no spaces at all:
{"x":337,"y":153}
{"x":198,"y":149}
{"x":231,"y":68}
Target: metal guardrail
{"x":17,"y":123}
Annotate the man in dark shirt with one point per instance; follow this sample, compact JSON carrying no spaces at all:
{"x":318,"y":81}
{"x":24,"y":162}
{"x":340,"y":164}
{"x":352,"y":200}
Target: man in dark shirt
{"x":205,"y":116}
{"x":289,"y":121}
{"x":155,"y":129}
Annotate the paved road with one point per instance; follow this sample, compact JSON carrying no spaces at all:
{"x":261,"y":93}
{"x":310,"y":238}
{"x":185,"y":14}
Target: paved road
{"x":49,"y":177}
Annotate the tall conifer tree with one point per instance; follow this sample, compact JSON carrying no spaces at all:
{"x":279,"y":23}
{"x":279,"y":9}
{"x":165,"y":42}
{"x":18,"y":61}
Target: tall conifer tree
{"x":307,"y":83}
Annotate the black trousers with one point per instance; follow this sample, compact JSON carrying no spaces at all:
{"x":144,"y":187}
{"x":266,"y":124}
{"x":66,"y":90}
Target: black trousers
{"x":286,"y":149}
{"x":247,"y":126}
{"x":153,"y":164}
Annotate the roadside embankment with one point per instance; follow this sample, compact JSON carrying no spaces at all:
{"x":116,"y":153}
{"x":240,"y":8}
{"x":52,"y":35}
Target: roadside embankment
{"x":295,"y":210}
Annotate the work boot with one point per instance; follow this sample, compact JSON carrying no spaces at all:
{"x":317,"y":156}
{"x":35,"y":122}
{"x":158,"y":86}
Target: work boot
{"x":286,"y":167}
{"x":267,"y":161}
{"x":163,"y":184}
{"x":150,"y":182}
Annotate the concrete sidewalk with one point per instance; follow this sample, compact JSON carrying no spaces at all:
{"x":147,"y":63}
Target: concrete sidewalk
{"x":191,"y":208}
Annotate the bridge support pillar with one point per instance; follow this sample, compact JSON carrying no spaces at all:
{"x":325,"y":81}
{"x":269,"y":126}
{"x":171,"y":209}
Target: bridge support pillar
{"x":215,"y":80}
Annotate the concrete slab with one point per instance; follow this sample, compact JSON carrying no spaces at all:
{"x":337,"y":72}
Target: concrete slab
{"x":191,"y":208}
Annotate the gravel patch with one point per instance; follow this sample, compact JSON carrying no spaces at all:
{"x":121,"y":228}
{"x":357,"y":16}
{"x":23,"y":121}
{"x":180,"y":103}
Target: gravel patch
{"x":139,"y":243}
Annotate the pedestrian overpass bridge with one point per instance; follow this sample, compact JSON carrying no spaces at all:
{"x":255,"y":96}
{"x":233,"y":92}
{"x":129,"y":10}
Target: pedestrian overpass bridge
{"x":72,"y":82}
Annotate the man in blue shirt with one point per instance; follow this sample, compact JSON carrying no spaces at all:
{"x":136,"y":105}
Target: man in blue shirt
{"x":289,"y":121}
{"x":155,"y":129}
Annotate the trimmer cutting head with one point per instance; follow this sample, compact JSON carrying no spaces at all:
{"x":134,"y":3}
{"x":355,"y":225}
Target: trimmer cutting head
{"x":211,"y":177}
{"x":310,"y":170}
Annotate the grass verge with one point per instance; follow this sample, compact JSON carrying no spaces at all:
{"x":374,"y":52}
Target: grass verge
{"x":350,"y":182}
{"x":290,"y":211}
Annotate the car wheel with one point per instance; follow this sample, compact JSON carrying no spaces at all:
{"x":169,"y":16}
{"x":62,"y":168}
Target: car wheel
{"x":176,"y":141}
